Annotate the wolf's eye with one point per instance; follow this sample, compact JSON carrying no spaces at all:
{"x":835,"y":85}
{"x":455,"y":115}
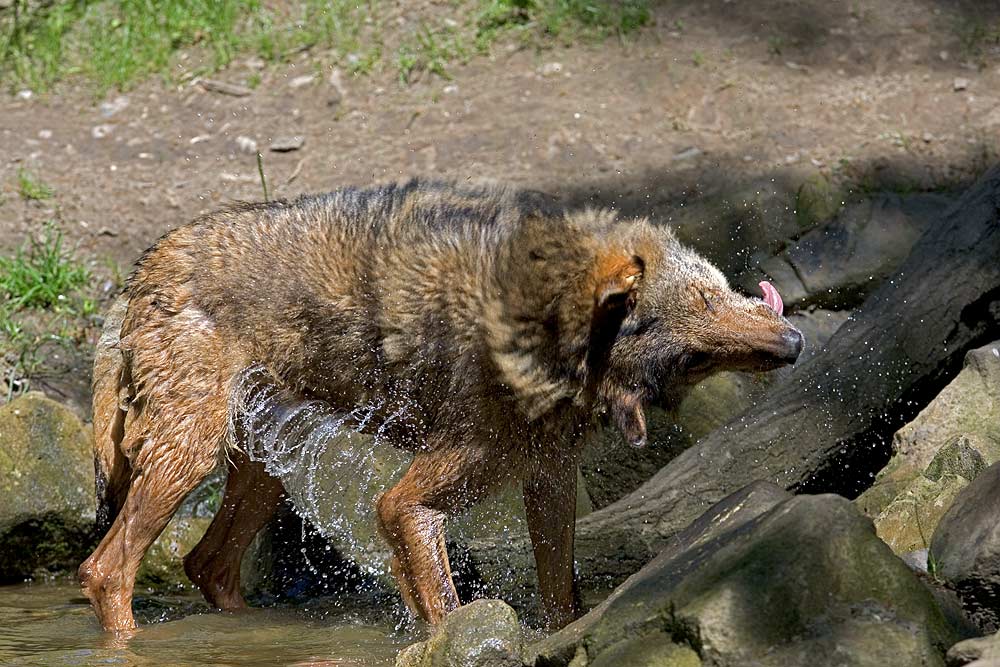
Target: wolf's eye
{"x":708,"y":302}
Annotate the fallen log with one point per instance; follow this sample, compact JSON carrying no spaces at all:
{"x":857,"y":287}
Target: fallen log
{"x":828,"y":426}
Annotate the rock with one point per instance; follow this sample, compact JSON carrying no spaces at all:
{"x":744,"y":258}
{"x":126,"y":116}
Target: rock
{"x":916,"y":560}
{"x":484,"y":633}
{"x":246,"y":144}
{"x":47,"y":486}
{"x":838,"y":265}
{"x":907,"y":523}
{"x":944,"y":448}
{"x":287,"y":144}
{"x":336,"y":81}
{"x":224,"y":88}
{"x":101,"y":131}
{"x":959,"y":84}
{"x":806,"y":582}
{"x":965,"y":549}
{"x":550,"y":69}
{"x":301,"y":81}
{"x":163,"y":568}
{"x":971,"y":651}
{"x":109,"y":109}
{"x":688,"y":153}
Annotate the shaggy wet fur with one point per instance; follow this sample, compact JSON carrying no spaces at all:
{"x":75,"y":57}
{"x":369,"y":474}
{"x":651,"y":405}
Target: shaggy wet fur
{"x":483,"y":327}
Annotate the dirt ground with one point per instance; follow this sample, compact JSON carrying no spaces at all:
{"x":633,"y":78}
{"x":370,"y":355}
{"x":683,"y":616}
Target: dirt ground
{"x":706,"y":109}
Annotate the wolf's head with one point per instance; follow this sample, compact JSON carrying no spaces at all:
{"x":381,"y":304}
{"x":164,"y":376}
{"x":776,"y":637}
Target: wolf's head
{"x":686,"y":323}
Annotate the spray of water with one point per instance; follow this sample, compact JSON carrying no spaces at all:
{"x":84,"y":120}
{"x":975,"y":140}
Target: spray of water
{"x":332,"y":472}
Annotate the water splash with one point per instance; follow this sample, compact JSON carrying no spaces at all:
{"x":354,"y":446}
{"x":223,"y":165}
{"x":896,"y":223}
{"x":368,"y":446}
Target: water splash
{"x":331,"y":470}
{"x":334,"y":473}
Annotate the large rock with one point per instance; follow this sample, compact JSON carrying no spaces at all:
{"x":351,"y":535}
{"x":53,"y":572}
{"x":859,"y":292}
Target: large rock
{"x":934,"y":456}
{"x":162,"y":567}
{"x":839,"y":264}
{"x":484,"y":633}
{"x":47,"y":487}
{"x":972,"y":651}
{"x":965,"y":549}
{"x":807,"y":582}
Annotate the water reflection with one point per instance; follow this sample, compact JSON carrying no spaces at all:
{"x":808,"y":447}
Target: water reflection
{"x":50,"y":624}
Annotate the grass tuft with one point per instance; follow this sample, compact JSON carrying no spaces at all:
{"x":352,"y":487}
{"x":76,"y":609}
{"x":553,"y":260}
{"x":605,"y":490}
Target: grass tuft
{"x":30,"y":187}
{"x":566,"y":19}
{"x":42,"y":274}
{"x":40,"y":306}
{"x":430,"y":51}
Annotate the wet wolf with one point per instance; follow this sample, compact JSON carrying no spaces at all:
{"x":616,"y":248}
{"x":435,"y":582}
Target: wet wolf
{"x":487,"y":329}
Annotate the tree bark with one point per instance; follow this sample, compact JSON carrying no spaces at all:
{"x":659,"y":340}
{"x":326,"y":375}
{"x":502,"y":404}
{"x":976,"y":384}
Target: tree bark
{"x":828,"y":426}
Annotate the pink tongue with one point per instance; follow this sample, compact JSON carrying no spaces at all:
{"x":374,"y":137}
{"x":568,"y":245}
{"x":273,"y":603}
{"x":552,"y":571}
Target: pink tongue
{"x":771,"y":297}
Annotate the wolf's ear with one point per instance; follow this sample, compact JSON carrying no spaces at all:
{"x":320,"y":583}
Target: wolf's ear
{"x":618,"y":277}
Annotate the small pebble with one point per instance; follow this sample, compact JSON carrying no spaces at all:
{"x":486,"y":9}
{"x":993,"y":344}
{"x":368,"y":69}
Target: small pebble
{"x":109,"y":109}
{"x":287,"y":144}
{"x":101,"y":131}
{"x":301,"y":81}
{"x":960,"y":84}
{"x":687,"y":154}
{"x":548,"y":69}
{"x":246,"y":144}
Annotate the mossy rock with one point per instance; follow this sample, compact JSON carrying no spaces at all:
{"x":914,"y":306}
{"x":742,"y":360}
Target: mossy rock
{"x":47,"y":486}
{"x":908,"y":522}
{"x":806,"y":582}
{"x":163,"y":566}
{"x":945,"y":447}
{"x":484,"y":633}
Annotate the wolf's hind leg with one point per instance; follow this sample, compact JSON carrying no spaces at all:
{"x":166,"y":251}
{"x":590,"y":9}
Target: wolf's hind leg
{"x":250,"y":499}
{"x":159,"y":484}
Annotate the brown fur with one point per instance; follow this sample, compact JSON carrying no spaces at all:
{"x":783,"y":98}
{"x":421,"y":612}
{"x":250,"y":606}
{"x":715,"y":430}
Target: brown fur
{"x":494,"y":322}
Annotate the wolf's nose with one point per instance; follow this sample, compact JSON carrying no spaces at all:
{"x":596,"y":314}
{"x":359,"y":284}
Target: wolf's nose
{"x":793,"y":344}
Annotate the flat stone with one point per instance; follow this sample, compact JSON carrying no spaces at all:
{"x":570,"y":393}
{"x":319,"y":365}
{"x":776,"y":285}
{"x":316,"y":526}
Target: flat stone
{"x":287,"y":144}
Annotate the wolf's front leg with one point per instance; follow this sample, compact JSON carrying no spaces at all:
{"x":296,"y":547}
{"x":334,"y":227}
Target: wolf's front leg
{"x":411,"y":518}
{"x":550,"y":505}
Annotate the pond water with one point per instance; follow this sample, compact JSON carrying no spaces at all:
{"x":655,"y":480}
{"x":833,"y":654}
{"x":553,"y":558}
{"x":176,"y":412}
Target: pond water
{"x":51,"y":624}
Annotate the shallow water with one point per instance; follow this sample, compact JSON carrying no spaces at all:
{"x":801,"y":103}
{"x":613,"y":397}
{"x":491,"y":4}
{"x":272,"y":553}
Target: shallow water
{"x":51,"y":624}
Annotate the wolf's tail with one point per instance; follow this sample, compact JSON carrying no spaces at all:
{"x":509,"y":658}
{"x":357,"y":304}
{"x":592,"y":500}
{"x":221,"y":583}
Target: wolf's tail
{"x":113,"y":472}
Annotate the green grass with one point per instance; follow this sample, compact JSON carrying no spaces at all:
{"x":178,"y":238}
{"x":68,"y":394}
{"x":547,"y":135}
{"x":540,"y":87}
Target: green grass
{"x":30,"y":187}
{"x":567,"y":18}
{"x":976,"y":36}
{"x":112,"y":44}
{"x":41,"y":304}
{"x":430,"y":51}
{"x":42,"y":274}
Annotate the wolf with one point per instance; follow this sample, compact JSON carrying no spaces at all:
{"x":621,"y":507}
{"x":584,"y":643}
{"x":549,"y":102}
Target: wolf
{"x":484,"y":328}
